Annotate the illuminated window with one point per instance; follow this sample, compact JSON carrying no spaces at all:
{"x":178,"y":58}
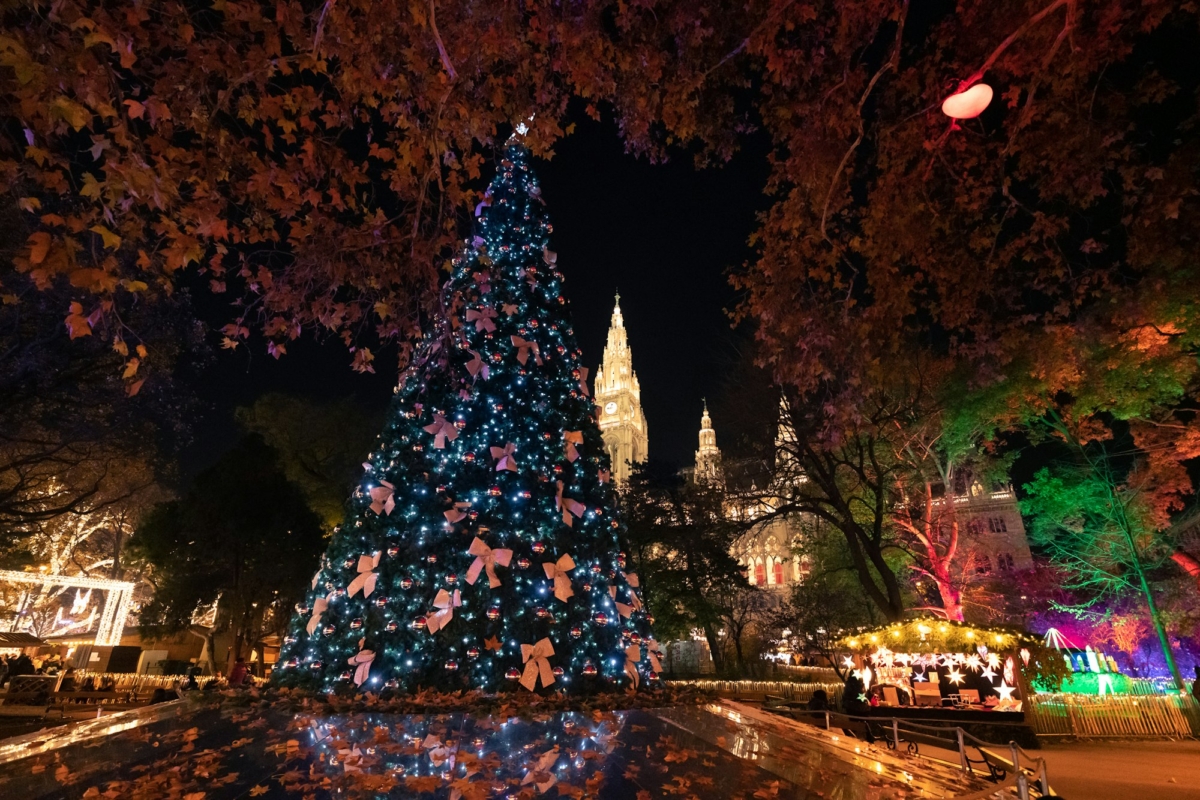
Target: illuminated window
{"x":996,"y":525}
{"x":778,"y":572}
{"x":983,"y":564}
{"x":760,"y":574}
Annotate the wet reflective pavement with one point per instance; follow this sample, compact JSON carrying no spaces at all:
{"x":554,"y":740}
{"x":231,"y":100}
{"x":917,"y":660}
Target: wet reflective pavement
{"x":207,"y":753}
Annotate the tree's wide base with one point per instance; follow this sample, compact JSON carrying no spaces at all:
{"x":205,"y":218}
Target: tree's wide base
{"x":276,"y":745}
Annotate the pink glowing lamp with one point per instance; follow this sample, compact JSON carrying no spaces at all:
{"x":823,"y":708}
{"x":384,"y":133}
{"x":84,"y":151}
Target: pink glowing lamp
{"x":968,"y":103}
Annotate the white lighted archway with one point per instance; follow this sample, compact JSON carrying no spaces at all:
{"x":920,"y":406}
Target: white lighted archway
{"x":118,"y":597}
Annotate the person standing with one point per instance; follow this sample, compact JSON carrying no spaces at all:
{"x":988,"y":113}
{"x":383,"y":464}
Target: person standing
{"x":237,"y":675}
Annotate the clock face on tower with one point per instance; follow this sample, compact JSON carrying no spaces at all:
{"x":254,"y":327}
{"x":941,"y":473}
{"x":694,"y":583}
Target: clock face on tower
{"x":610,"y":408}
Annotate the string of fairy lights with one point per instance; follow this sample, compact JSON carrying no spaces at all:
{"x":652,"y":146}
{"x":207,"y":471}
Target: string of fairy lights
{"x":480,"y":549}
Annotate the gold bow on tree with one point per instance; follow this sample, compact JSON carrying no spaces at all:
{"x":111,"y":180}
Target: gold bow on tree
{"x":476,"y":367}
{"x":524,"y":348}
{"x":572,"y":438}
{"x":482,"y":318}
{"x":557,"y":572}
{"x":653,"y":650}
{"x":445,"y":603}
{"x":505,"y":460}
{"x":570,"y":508}
{"x":442,"y":429}
{"x":361,"y":661}
{"x":383,"y":498}
{"x":456,"y":514}
{"x":633,"y":654}
{"x":486,"y":559}
{"x":365,"y":580}
{"x":537,"y":665}
{"x":320,"y":605}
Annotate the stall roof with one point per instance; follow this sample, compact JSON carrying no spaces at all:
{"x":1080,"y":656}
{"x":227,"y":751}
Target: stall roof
{"x":933,"y":634}
{"x":19,"y":639}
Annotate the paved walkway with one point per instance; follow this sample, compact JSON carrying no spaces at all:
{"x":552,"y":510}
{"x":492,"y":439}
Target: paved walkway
{"x":1124,"y":770}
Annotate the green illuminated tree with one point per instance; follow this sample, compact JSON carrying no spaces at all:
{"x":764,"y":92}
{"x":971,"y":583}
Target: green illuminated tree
{"x":479,"y":550}
{"x":1094,"y":516}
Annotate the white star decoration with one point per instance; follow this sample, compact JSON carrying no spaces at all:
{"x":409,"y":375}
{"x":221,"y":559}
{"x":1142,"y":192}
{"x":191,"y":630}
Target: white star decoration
{"x":956,"y":677}
{"x":988,"y":672}
{"x":1005,"y":691}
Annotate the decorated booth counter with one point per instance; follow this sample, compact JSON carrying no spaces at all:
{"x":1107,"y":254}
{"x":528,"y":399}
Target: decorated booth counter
{"x":930,"y":663}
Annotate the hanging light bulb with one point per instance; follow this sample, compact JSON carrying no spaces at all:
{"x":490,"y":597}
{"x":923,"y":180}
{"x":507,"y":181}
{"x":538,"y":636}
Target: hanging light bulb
{"x":968,"y":103}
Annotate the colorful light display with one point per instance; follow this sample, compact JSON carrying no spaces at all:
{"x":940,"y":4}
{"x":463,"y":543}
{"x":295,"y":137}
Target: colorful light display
{"x":481,"y":516}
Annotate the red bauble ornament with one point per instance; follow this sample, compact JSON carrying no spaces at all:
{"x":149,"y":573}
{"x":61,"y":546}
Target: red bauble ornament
{"x":576,"y":632}
{"x":473,"y":653}
{"x":468,"y":457}
{"x":601,"y":618}
{"x":650,"y":618}
{"x":589,"y":670}
{"x":392,"y":684}
{"x":493,"y":613}
{"x":451,"y":579}
{"x":419,"y":623}
{"x":652,"y":675}
{"x":406,"y":583}
{"x":329,"y":629}
{"x":558,"y":672}
{"x":635,"y":638}
{"x":539,"y":548}
{"x":380,"y":601}
{"x":316,"y":665}
{"x":292,"y":663}
{"x":542,"y":613}
{"x":494,"y":491}
{"x":392,"y":626}
{"x":345,"y":676}
{"x":597,"y":569}
{"x":621,"y":560}
{"x":348,"y":563}
{"x":523,"y":563}
{"x":393,"y":551}
{"x":513,"y":674}
{"x":356,"y":623}
{"x":460,"y":423}
{"x":431,"y":558}
{"x":587,"y":587}
{"x":452,"y":665}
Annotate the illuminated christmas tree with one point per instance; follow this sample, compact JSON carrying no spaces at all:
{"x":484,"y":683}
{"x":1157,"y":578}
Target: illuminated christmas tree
{"x":480,"y":549}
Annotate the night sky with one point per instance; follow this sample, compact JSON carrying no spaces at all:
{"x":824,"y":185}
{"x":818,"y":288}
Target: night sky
{"x":664,"y":235}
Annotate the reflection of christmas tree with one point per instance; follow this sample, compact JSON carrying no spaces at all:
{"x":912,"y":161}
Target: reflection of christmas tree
{"x":480,"y":549}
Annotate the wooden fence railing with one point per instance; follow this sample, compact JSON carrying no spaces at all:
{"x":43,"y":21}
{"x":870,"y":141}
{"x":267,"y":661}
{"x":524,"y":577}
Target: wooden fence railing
{"x":1059,"y":714}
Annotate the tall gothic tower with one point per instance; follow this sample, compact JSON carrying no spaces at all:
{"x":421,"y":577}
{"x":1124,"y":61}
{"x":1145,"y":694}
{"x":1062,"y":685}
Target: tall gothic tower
{"x":622,"y":423}
{"x":708,"y":457}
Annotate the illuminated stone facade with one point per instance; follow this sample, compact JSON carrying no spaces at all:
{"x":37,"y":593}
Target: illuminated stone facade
{"x":617,"y":392}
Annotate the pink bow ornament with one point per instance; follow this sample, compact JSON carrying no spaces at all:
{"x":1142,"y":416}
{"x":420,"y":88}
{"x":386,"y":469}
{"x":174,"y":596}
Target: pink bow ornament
{"x":439,"y":753}
{"x":654,"y":651}
{"x":504,"y":457}
{"x":476,"y":367}
{"x":568,"y":506}
{"x":365,"y":580}
{"x":605,"y":475}
{"x":486,"y":559}
{"x":524,"y":348}
{"x":583,"y":387}
{"x":456,"y":514}
{"x":572,"y":438}
{"x":442,"y":429}
{"x":537,"y":664}
{"x":320,"y":605}
{"x":549,"y":256}
{"x":482,"y":318}
{"x":633,"y":654}
{"x":541,"y":774}
{"x":361,"y":661}
{"x":557,"y":572}
{"x":383,"y":498}
{"x":445,"y":603}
